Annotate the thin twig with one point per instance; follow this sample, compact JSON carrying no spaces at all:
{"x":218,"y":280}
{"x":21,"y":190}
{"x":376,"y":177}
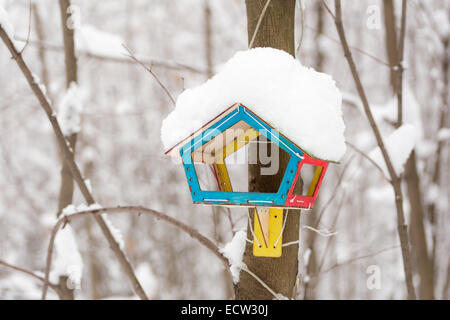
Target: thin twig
{"x":29,"y":29}
{"x":149,"y":69}
{"x":333,"y":195}
{"x":400,"y":66}
{"x":366,"y":156}
{"x":336,"y":265}
{"x":302,"y":31}
{"x":329,"y":241}
{"x":30,"y":273}
{"x":361,"y":51}
{"x":328,"y":9}
{"x":258,"y":24}
{"x":74,"y":169}
{"x":134,"y":210}
{"x":157,"y":62}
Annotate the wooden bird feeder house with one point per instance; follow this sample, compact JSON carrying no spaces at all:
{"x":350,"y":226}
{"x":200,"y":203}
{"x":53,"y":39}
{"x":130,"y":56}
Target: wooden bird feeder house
{"x":224,"y":135}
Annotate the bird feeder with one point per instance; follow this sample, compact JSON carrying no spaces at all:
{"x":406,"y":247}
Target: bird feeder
{"x":228,"y":132}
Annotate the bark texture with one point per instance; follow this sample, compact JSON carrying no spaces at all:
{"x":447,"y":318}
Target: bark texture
{"x":67,"y":184}
{"x":391,"y":40}
{"x":66,"y":188}
{"x":419,"y":250}
{"x":277,"y":31}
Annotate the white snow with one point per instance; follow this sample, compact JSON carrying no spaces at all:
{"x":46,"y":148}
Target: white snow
{"x":301,"y":103}
{"x":97,"y":42}
{"x":6,"y":23}
{"x":411,"y":111}
{"x":68,"y":260}
{"x":432,"y":194}
{"x":117,"y":234}
{"x":88,"y":184}
{"x":399,"y":146}
{"x":443,"y":134}
{"x":71,"y":209}
{"x":69,"y":111}
{"x":442,"y":20}
{"x":234,"y":252}
{"x":147,"y":278}
{"x":306,"y":256}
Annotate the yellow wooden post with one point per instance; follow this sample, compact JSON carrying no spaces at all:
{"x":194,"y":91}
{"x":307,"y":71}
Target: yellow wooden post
{"x":272,"y":246}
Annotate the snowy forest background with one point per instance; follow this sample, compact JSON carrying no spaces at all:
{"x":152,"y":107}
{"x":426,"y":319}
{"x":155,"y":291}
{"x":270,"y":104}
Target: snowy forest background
{"x":120,"y":152}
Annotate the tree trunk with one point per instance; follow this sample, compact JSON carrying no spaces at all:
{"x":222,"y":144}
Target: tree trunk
{"x":67,"y":184}
{"x":438,"y":167}
{"x":417,"y":230}
{"x":276,"y":30}
{"x":40,"y":33}
{"x":66,"y":189}
{"x":391,"y":41}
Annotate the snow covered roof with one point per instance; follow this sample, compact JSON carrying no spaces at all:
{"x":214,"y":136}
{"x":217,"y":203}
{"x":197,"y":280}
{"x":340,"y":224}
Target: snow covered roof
{"x":302,"y":104}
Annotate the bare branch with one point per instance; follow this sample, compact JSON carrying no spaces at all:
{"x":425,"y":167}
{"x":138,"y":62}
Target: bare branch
{"x":134,"y":210}
{"x":328,"y":9}
{"x":329,"y":241}
{"x":333,"y":195}
{"x":68,"y":157}
{"x":31,"y":274}
{"x":400,"y":66}
{"x":157,"y":62}
{"x":302,"y":31}
{"x":359,"y":50}
{"x":39,"y":28}
{"x":361,"y":91}
{"x":395,"y":179}
{"x":29,"y":28}
{"x":365,"y":155}
{"x":340,"y":264}
{"x":149,"y":69}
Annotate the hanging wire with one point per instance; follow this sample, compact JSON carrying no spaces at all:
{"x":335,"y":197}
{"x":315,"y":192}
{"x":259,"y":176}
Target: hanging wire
{"x":251,"y":229}
{"x":282,"y":230}
{"x":290,"y":243}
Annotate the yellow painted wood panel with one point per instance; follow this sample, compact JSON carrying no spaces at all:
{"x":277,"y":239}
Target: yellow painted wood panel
{"x":275,"y":229}
{"x":224,"y":178}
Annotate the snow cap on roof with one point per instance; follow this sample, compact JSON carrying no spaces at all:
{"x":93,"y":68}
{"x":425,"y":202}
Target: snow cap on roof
{"x":299,"y":102}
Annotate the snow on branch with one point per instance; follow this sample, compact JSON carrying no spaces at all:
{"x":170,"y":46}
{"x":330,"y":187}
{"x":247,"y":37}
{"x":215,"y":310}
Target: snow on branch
{"x":399,"y":146}
{"x":66,"y":218}
{"x":234,"y":251}
{"x":70,"y":108}
{"x":70,"y":161}
{"x":68,"y":261}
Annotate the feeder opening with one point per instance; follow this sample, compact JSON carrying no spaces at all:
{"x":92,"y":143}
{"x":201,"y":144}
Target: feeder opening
{"x":222,"y":164}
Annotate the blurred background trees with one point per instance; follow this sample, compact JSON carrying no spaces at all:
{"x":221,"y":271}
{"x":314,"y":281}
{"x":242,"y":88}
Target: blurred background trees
{"x":119,"y":148}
